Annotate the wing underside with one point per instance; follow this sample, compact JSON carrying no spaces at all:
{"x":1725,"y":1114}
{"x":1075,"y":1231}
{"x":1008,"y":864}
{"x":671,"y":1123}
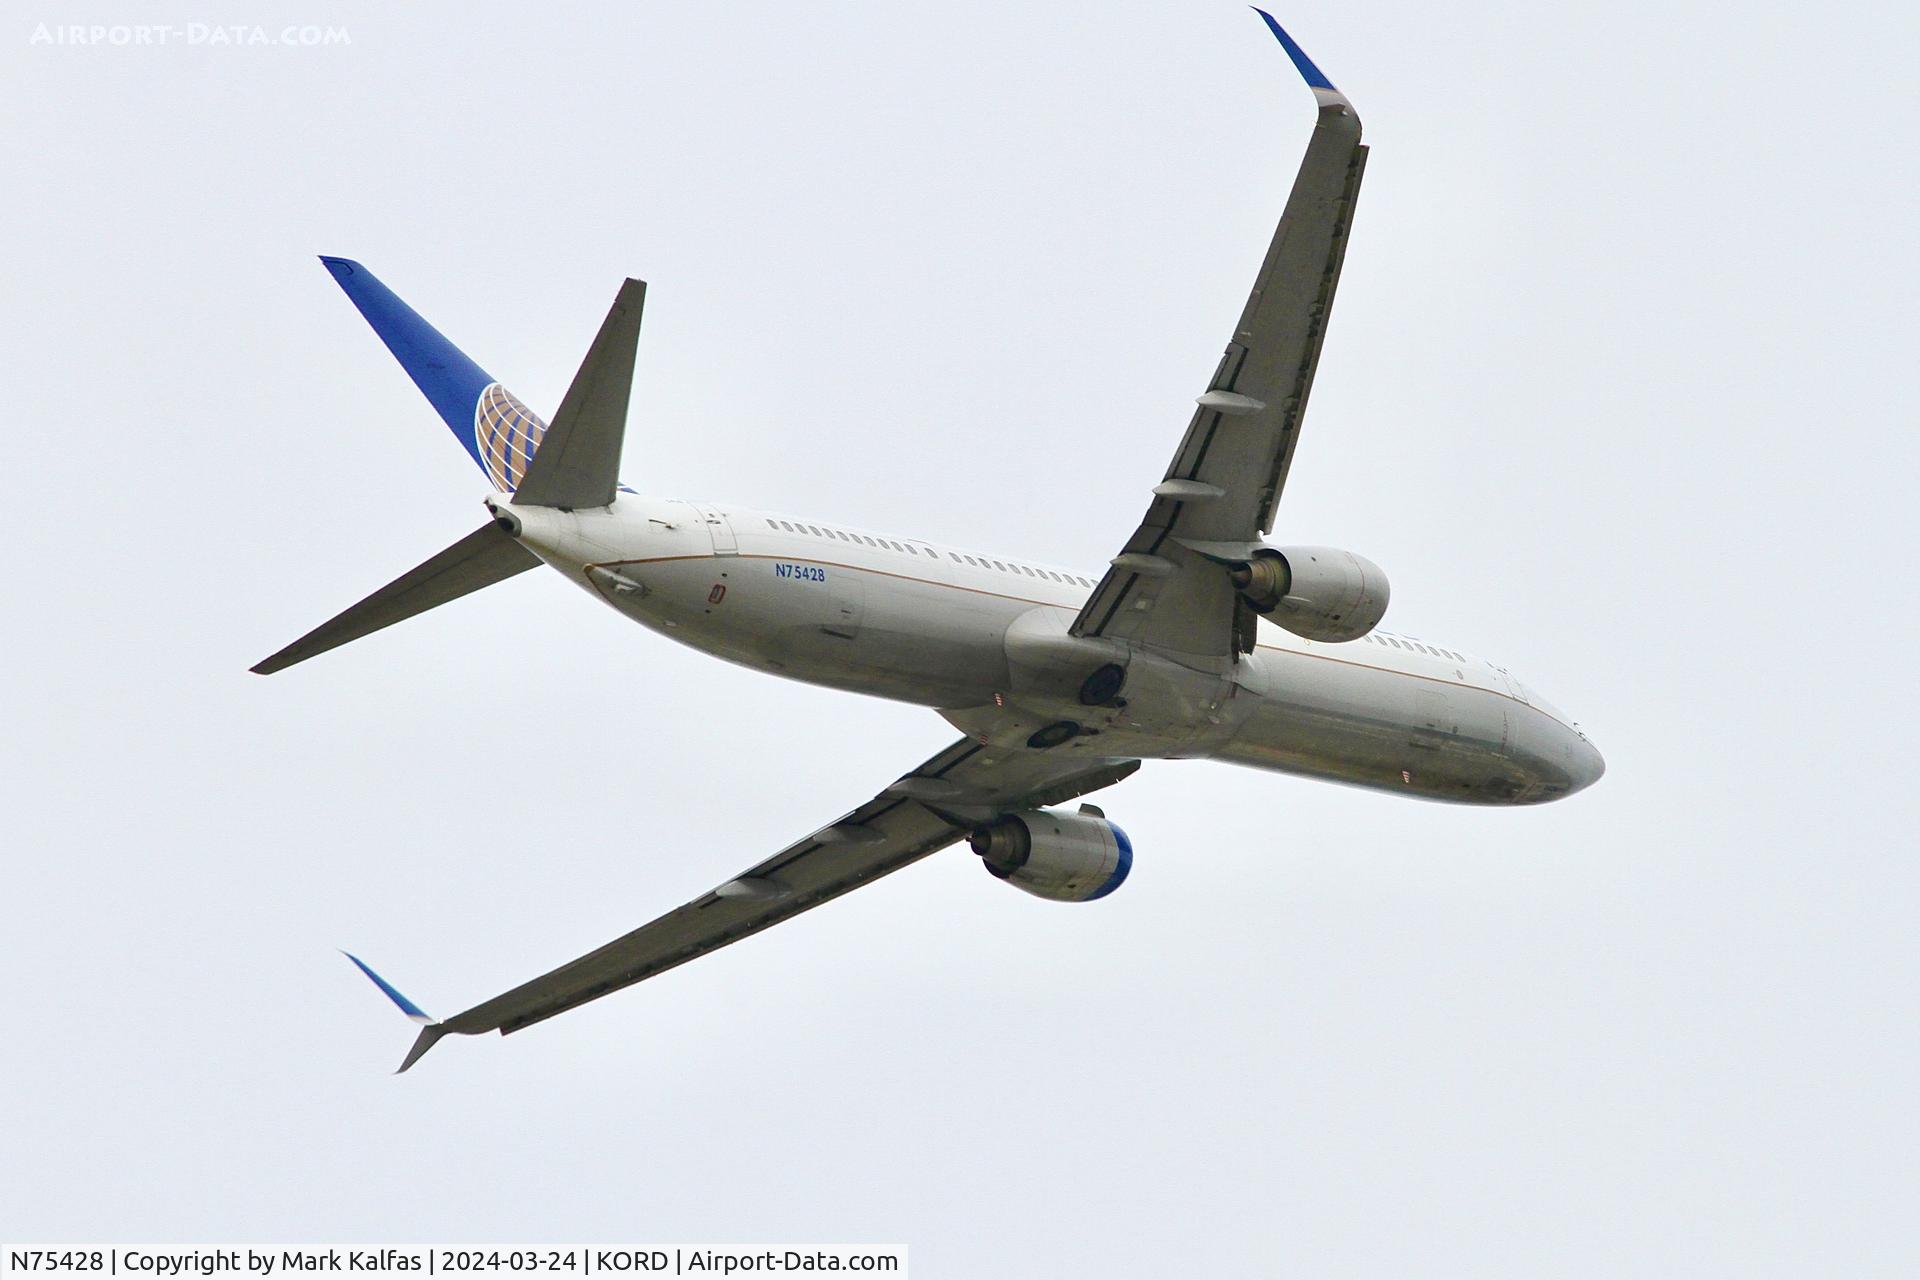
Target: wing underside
{"x":1168,"y":587}
{"x":924,"y":811}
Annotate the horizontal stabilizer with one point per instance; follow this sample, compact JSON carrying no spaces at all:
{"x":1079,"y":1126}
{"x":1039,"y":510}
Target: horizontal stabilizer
{"x":578,"y":461}
{"x":485,"y":556}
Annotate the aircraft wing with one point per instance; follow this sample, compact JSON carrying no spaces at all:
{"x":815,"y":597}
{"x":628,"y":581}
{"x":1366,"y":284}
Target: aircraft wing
{"x":1168,"y":588}
{"x":926,"y":810}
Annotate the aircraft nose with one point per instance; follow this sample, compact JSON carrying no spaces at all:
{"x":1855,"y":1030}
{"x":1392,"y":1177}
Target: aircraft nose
{"x":1585,"y":765}
{"x":1555,"y":757}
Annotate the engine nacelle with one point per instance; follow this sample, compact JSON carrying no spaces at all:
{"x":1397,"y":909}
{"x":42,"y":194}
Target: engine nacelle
{"x":1319,"y":593}
{"x":1068,"y":857}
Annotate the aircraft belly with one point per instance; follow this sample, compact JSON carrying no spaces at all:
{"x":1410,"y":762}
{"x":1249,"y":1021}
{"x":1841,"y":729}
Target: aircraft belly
{"x":1350,"y":722}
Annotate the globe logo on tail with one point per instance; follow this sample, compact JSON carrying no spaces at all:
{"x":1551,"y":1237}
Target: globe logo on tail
{"x":507,"y":432}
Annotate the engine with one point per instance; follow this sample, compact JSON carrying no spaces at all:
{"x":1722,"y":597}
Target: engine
{"x":1068,"y":857}
{"x":1318,"y":593}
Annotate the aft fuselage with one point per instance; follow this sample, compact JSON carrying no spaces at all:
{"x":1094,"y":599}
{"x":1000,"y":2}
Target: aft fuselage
{"x":984,"y":641}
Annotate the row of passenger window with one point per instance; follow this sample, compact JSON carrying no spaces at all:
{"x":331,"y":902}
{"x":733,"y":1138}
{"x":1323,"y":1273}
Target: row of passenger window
{"x":981,"y":562}
{"x":1377,"y":637}
{"x":907,"y":548}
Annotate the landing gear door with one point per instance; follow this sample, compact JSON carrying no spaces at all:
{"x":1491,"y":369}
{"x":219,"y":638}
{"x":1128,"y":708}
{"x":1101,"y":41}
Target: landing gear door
{"x":718,"y":529}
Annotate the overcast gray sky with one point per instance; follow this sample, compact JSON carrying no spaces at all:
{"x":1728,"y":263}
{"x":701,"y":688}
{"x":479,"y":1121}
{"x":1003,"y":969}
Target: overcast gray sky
{"x":1619,"y":391}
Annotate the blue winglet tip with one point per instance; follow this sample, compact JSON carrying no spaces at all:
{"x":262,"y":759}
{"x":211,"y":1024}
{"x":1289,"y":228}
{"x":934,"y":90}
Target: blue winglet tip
{"x":407,"y":1006}
{"x":1315,"y":78}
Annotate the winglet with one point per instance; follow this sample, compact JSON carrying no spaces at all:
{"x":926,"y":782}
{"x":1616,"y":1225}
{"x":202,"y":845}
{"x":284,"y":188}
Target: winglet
{"x":430,"y":1030}
{"x":1316,"y":79}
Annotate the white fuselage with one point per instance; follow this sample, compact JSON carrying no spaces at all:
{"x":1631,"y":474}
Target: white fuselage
{"x":984,"y":640}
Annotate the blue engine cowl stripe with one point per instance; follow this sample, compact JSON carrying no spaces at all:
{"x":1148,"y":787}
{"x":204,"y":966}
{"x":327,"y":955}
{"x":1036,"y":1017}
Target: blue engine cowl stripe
{"x":1119,"y":872}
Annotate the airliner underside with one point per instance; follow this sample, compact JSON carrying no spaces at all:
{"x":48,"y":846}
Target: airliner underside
{"x":1197,"y":641}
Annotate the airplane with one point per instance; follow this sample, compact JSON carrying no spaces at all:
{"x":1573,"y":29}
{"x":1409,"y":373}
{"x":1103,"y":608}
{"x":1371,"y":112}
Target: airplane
{"x":1060,"y":683}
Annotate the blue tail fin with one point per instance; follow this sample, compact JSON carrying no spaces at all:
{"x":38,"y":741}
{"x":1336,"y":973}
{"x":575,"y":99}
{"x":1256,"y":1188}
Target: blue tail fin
{"x":487,"y":420}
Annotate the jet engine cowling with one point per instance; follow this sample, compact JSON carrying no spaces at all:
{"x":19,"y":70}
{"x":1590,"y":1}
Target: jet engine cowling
{"x":1065,"y":857}
{"x":1318,"y":593}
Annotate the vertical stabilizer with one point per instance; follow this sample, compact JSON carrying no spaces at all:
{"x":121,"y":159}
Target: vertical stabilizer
{"x":492,"y":425}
